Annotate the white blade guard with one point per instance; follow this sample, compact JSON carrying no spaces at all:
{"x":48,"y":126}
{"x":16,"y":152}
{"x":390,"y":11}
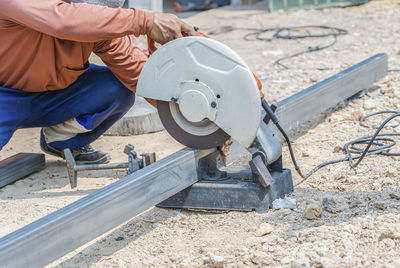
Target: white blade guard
{"x":208,"y":80}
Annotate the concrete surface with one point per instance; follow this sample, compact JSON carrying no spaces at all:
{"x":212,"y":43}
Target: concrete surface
{"x":140,"y":119}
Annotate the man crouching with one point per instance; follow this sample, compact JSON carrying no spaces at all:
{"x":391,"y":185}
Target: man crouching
{"x":45,"y":77}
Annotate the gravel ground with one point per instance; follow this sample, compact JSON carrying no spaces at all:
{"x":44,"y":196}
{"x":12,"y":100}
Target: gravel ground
{"x":343,"y":218}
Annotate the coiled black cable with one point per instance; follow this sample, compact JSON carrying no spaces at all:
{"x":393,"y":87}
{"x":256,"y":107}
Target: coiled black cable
{"x":288,"y":33}
{"x":351,"y":148}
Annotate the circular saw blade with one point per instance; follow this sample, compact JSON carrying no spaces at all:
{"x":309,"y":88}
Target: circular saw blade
{"x":200,"y":135}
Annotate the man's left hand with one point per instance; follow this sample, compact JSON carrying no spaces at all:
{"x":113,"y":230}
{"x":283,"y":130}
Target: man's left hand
{"x":167,"y":27}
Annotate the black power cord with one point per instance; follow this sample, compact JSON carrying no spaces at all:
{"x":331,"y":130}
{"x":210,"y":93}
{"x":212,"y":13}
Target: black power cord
{"x":350,"y":147}
{"x":288,"y":33}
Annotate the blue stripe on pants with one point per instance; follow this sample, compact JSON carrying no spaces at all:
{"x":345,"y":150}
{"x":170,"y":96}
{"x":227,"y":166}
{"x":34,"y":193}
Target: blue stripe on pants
{"x":97,"y":99}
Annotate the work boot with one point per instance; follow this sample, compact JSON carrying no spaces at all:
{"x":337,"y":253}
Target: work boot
{"x":84,"y":155}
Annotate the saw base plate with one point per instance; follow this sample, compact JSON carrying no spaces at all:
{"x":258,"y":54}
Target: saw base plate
{"x":237,"y":191}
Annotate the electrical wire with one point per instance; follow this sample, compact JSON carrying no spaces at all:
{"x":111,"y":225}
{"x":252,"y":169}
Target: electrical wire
{"x":288,"y":33}
{"x":380,"y":141}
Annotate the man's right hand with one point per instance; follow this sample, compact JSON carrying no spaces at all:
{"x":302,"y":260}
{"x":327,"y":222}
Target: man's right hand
{"x":167,"y":27}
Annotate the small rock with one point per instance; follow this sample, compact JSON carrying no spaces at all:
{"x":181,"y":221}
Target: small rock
{"x":395,"y":195}
{"x":177,"y":211}
{"x":381,"y":205}
{"x":338,"y":175}
{"x":392,"y":173}
{"x":312,"y":212}
{"x":218,"y":261}
{"x":388,"y":234}
{"x":272,"y":52}
{"x":298,"y":264}
{"x":285,"y":260}
{"x":207,"y":260}
{"x":355,"y":202}
{"x":387,"y":181}
{"x":264,"y":229}
{"x":214,"y":261}
{"x":284,"y":203}
{"x":289,"y":235}
{"x":369,"y":104}
{"x":334,"y":204}
{"x":260,"y":259}
{"x":337,"y":149}
{"x":385,"y":91}
{"x":285,"y":211}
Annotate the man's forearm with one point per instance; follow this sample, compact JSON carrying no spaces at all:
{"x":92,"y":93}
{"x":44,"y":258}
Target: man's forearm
{"x":77,"y":21}
{"x":123,"y":58}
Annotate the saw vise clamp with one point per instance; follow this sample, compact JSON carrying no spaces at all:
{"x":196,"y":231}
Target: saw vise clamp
{"x":134,"y":163}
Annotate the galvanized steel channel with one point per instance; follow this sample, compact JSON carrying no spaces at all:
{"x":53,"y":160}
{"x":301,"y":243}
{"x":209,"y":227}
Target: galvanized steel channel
{"x":310,"y":103}
{"x":53,"y":236}
{"x":19,"y":166}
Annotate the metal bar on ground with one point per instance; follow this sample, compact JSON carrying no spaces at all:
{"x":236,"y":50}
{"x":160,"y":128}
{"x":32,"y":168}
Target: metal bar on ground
{"x":101,"y":166}
{"x":20,"y":165}
{"x":58,"y":233}
{"x":316,"y":100}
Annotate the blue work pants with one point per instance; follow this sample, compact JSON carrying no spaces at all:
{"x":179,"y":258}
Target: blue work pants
{"x":97,"y":99}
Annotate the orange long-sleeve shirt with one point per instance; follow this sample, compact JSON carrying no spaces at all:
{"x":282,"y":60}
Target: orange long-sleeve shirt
{"x":46,"y":44}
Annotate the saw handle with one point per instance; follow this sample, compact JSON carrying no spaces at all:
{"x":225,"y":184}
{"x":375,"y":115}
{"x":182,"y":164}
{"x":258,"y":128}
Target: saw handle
{"x":151,"y":45}
{"x":259,"y":85}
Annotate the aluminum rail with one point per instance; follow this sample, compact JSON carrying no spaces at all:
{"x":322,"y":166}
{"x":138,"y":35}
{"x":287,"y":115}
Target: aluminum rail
{"x":20,"y":165}
{"x":101,"y":166}
{"x":310,"y":103}
{"x":58,"y":233}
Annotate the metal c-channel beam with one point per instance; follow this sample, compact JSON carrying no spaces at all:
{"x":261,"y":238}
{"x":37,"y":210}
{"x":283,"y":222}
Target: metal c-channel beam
{"x":310,"y":103}
{"x":20,"y":165}
{"x":53,"y":236}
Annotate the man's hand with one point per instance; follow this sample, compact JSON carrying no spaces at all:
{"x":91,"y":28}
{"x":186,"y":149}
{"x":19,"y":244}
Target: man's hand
{"x":167,"y":27}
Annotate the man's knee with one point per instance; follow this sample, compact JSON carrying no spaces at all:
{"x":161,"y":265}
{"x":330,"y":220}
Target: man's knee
{"x":118,"y":93}
{"x":123,"y":97}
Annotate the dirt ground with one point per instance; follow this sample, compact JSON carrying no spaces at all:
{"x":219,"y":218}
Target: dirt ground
{"x":360,"y":229}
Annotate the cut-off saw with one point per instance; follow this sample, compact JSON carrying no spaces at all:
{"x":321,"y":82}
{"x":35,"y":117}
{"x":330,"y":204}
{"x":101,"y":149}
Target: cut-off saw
{"x":206,"y":94}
